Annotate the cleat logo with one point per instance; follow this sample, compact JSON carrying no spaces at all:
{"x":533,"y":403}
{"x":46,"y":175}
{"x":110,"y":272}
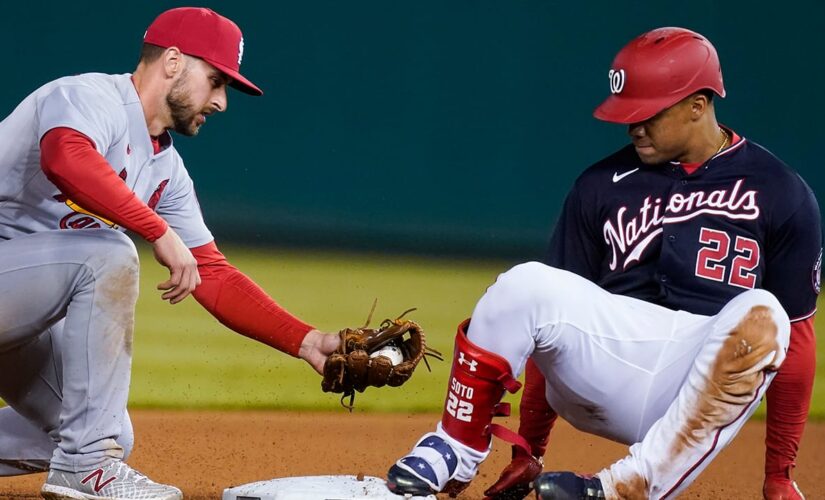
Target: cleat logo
{"x":616,"y":81}
{"x":471,"y":363}
{"x":98,"y":476}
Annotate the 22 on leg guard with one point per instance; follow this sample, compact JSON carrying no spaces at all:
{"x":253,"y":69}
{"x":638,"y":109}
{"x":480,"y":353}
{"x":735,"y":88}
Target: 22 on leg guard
{"x":447,"y":460}
{"x":477,"y":383}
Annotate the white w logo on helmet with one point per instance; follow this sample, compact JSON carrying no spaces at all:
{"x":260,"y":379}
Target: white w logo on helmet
{"x":616,"y":81}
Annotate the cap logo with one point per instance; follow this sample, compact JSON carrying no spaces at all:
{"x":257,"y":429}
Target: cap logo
{"x":616,"y":81}
{"x":240,"y":51}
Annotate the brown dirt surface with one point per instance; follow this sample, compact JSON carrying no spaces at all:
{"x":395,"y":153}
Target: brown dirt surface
{"x":203,"y":452}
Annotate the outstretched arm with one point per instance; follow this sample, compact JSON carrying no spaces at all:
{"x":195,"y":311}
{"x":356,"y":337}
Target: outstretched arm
{"x":240,"y":304}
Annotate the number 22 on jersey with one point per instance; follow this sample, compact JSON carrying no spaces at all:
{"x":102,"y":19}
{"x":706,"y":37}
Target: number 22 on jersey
{"x":717,"y":248}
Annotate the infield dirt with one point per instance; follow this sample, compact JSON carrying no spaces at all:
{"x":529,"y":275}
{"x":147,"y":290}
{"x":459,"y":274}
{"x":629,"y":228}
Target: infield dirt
{"x":203,"y":452}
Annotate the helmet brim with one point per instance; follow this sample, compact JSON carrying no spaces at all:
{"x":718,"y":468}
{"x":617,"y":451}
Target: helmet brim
{"x":628,"y":110}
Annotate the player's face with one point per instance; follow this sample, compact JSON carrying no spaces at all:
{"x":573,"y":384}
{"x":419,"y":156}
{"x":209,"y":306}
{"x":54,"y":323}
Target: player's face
{"x":199,"y":91}
{"x":665,"y":137}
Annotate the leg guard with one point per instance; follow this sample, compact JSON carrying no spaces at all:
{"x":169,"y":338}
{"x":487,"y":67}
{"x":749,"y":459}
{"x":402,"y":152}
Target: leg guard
{"x":477,"y":384}
{"x":447,"y":460}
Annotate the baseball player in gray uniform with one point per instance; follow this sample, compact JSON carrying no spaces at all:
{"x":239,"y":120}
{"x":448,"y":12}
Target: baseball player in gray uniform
{"x":85,"y":158}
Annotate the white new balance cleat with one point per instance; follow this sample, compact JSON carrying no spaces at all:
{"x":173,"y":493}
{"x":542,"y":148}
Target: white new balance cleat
{"x":112,"y":481}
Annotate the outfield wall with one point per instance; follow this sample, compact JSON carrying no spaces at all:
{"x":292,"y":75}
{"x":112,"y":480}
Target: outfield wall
{"x":431,"y":125}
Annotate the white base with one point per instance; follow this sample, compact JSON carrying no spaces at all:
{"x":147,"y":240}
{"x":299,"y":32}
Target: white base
{"x":315,"y":488}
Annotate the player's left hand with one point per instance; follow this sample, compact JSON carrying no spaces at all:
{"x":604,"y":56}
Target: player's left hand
{"x":316,"y":348}
{"x":514,"y":481}
{"x":171,"y":252}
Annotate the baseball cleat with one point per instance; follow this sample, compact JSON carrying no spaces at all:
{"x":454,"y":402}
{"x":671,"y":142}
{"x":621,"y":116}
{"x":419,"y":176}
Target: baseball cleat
{"x":113,"y":481}
{"x":401,"y":482}
{"x":782,"y":490}
{"x":425,"y":470}
{"x":567,"y":486}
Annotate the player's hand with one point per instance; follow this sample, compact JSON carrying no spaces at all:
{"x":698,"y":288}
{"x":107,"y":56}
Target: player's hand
{"x":183,"y":268}
{"x":515,"y":479}
{"x":316,"y":348}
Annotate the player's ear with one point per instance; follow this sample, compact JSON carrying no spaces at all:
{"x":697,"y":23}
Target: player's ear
{"x":699,"y":104}
{"x":173,"y":61}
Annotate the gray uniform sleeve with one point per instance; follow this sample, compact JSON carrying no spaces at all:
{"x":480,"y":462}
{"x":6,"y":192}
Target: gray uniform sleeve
{"x":83,"y":109}
{"x":179,"y":207}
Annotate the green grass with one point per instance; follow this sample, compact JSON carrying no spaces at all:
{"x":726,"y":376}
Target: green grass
{"x":185,"y":358}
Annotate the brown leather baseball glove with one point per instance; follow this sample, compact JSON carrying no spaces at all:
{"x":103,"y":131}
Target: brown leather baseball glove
{"x":351,"y":368}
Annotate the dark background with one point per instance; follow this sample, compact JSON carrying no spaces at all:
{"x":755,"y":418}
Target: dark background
{"x":439,"y":127}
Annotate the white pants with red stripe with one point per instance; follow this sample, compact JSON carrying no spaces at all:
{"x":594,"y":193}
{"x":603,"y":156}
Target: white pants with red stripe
{"x":675,"y":385}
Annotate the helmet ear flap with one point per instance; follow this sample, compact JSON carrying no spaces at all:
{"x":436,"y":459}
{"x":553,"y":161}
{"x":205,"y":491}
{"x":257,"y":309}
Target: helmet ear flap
{"x":656,"y":70}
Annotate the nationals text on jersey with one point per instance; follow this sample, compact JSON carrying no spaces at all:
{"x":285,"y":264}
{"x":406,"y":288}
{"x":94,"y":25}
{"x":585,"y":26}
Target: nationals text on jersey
{"x":646,"y":226}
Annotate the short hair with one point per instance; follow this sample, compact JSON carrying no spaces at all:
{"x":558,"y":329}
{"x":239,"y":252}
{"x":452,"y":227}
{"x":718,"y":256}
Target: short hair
{"x":707,"y":93}
{"x":150,"y":53}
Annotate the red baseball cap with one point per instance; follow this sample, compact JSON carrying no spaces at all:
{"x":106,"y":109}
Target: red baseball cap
{"x":656,"y":70}
{"x":205,"y":34}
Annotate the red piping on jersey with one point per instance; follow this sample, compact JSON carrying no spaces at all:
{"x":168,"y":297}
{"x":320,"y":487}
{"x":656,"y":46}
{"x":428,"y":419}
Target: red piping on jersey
{"x":716,"y":439}
{"x":691,"y":167}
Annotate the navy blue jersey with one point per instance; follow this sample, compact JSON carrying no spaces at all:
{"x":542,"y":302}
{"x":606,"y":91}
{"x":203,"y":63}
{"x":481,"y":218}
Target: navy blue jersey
{"x":694,"y":241}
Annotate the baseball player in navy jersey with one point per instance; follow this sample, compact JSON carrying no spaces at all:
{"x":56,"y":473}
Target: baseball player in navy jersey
{"x":83,"y":159}
{"x":680,"y":283}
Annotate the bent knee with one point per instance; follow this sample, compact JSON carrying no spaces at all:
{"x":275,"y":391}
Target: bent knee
{"x":762,"y":307}
{"x":529,"y":281}
{"x":121,"y":262}
{"x":121,"y":251}
{"x":758,"y":341}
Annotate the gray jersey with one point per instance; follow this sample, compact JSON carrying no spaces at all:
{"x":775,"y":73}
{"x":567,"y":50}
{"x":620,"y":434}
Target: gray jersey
{"x":106,"y":108}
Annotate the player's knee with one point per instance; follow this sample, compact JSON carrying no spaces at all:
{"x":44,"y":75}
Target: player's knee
{"x":113,"y":270}
{"x":121,"y":261}
{"x":757,"y":333}
{"x":121,"y":251}
{"x":520,"y":281}
{"x":754,"y":303}
{"x":531,"y":285}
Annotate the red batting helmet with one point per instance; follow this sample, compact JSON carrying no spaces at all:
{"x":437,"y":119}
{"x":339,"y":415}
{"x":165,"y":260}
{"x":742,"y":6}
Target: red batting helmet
{"x":655,"y":71}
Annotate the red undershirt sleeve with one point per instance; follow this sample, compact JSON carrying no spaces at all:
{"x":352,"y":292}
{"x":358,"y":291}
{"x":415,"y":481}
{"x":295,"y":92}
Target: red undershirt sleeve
{"x":241,"y":305}
{"x":536,"y":417}
{"x":789,"y":399}
{"x":71,"y":162}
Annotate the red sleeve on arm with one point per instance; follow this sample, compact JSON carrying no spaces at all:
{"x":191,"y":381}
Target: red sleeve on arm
{"x":789,"y":398}
{"x":71,"y":162}
{"x":536,"y":417}
{"x":237,"y":302}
